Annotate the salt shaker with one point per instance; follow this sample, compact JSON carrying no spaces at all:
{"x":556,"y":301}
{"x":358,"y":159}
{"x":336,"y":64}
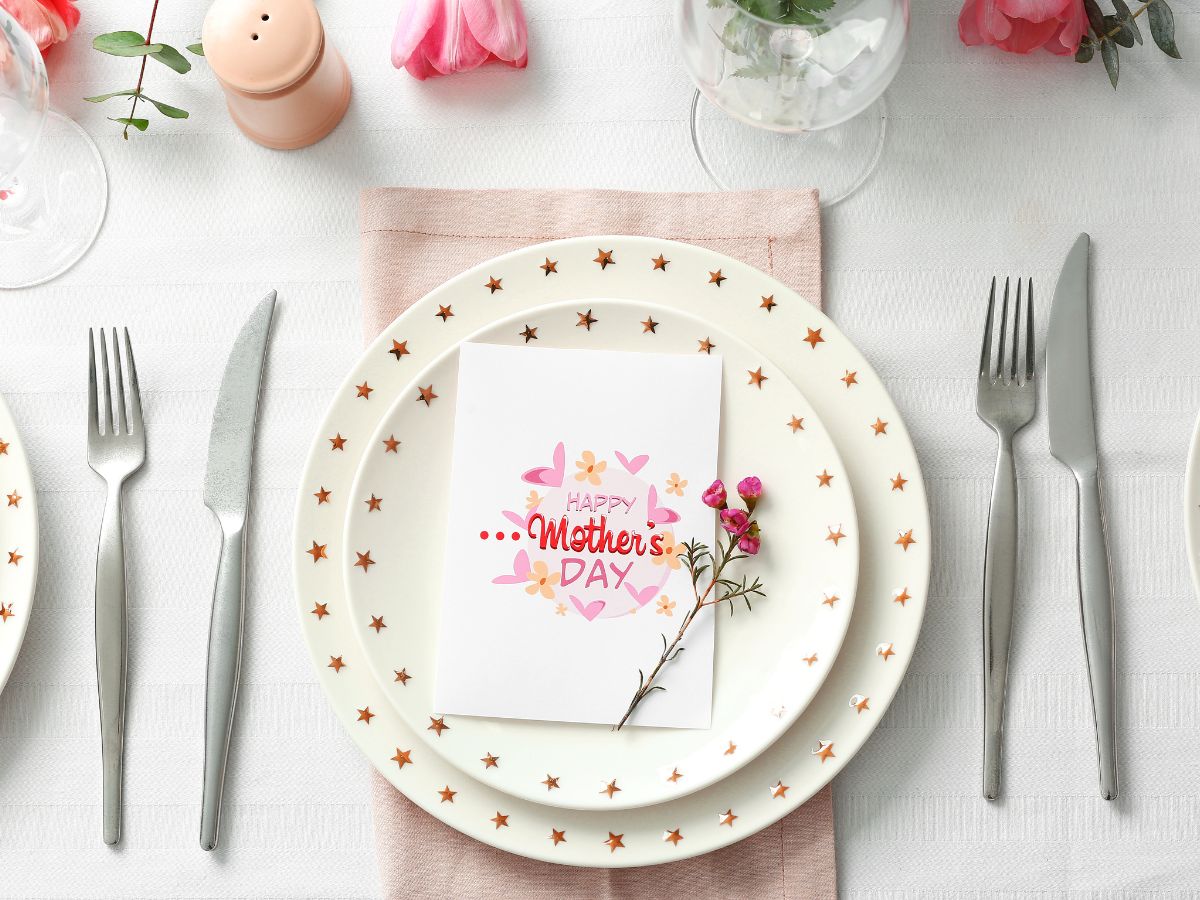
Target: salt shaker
{"x":285,"y":85}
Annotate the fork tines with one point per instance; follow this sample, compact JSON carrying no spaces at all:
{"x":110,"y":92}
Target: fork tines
{"x":120,"y":413}
{"x":1005,"y":368}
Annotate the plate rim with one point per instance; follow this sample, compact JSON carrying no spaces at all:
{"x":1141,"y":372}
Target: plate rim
{"x":32,"y":549}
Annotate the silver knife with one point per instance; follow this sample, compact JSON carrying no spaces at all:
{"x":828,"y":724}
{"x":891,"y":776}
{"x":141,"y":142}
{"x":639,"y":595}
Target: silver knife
{"x":1073,"y":443}
{"x":227,"y":494}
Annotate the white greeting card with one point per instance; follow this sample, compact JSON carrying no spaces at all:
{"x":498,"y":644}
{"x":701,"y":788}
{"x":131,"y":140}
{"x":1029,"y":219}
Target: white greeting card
{"x":577,"y":477}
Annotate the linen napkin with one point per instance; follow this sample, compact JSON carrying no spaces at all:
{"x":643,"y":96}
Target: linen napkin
{"x":412,"y":241}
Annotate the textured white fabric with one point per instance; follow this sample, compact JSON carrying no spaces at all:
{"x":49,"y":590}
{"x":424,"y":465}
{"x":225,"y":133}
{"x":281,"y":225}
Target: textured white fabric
{"x":993,"y":164}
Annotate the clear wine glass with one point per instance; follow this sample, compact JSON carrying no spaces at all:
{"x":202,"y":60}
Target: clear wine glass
{"x":807,"y":75}
{"x":53,"y":188}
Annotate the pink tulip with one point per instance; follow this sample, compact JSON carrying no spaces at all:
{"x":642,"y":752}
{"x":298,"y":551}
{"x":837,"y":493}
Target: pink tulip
{"x":48,"y":22}
{"x":1022,"y":26}
{"x":441,"y":37}
{"x":715,"y":496}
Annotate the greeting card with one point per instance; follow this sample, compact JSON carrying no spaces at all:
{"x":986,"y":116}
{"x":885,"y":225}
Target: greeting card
{"x":578,"y":476}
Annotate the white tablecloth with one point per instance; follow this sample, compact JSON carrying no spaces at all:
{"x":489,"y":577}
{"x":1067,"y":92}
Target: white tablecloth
{"x":994,"y":163}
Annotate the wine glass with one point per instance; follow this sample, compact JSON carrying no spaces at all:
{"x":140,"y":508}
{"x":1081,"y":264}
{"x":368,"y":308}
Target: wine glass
{"x":807,"y":75}
{"x":53,"y":188}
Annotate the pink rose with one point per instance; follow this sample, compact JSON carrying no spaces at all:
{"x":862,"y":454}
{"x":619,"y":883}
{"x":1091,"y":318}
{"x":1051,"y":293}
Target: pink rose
{"x":1021,"y":26}
{"x":48,"y":22}
{"x":715,"y":496}
{"x":441,"y":37}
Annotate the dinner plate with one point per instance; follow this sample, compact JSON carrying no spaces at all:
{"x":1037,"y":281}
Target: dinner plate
{"x":18,"y":543}
{"x":1191,"y":507}
{"x":765,"y":660}
{"x":894,"y":540}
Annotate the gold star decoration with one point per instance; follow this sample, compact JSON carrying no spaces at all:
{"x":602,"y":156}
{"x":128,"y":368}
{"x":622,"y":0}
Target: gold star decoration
{"x":493,"y":284}
{"x":731,"y":749}
{"x":885,"y":650}
{"x":849,"y":378}
{"x":14,"y":499}
{"x":377,"y":623}
{"x":6,"y":611}
{"x":557,"y":836}
{"x":444,"y":312}
{"x":374,"y":504}
{"x":399,"y":349}
{"x":364,"y":560}
{"x":320,"y":610}
{"x":586,"y":320}
{"x":768,"y":303}
{"x":824,"y":750}
{"x":810,"y":659}
{"x":779,"y":789}
{"x":317,"y":552}
{"x":649,"y":325}
{"x":859,"y":702}
{"x":824,"y":478}
{"x":447,"y":795}
{"x":426,"y":395}
{"x":673,"y":837}
{"x":402,"y":676}
{"x":14,"y":558}
{"x":756,"y":377}
{"x":830,"y":600}
{"x":551,"y":782}
{"x":902,"y":596}
{"x":879,"y":426}
{"x":814,"y":337}
{"x":726,"y":818}
{"x":614,"y":841}
{"x":3,"y":449}
{"x":438,"y":725}
{"x":364,"y":390}
{"x":660,"y":263}
{"x":335,"y":663}
{"x":796,"y":424}
{"x":322,"y":495}
{"x":834,"y":536}
{"x":500,"y":819}
{"x":550,"y":266}
{"x":338,"y":441}
{"x":402,"y":758}
{"x":604,"y":258}
{"x":674,"y":776}
{"x":716,"y":278}
{"x":489,"y":761}
{"x":365,"y":715}
{"x":390,"y":444}
{"x":530,"y":334}
{"x":706,"y":346}
{"x":610,"y":789}
{"x":906,"y":539}
{"x":899,"y":482}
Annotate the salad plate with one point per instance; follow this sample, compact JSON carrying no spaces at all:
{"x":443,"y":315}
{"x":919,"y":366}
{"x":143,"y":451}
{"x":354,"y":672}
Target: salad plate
{"x":18,"y":543}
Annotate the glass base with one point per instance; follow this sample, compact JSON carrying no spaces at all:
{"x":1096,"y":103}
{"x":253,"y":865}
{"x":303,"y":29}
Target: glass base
{"x":51,"y":212}
{"x":836,"y":161}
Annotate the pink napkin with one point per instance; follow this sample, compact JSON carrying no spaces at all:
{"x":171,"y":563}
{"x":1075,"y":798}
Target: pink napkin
{"x":413,"y":240}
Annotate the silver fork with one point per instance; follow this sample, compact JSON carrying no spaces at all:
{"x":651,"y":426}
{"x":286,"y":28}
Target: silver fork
{"x":1006,"y":402}
{"x":116,"y":449}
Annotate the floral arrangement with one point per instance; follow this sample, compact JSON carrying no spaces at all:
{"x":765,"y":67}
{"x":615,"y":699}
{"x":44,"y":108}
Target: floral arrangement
{"x":441,"y":37}
{"x":710,"y":584}
{"x":48,"y":22}
{"x":1067,"y":27}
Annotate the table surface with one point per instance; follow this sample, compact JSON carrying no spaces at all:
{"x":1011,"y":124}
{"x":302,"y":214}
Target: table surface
{"x":994,"y":163}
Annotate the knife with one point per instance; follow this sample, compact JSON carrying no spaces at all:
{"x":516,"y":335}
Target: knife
{"x":1073,"y":443}
{"x":227,"y":494}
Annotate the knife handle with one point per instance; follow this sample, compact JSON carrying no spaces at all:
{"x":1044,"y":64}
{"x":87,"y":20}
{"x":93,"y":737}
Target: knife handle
{"x":1096,"y":609}
{"x":999,"y":590}
{"x":224,"y":662}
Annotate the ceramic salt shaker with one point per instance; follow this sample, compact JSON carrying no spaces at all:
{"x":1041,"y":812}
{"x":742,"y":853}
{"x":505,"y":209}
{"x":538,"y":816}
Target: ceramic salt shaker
{"x":285,"y":85}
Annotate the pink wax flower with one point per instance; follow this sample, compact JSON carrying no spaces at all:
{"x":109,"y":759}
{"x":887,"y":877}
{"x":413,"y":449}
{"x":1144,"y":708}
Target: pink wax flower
{"x":749,"y":544}
{"x":715,"y":496}
{"x":441,"y":37}
{"x":48,"y":22}
{"x":735,"y":521}
{"x":750,"y":489}
{"x":1022,"y":26}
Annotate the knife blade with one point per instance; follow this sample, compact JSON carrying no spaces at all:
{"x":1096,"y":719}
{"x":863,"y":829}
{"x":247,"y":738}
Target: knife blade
{"x":227,"y":494}
{"x":1072,"y":427}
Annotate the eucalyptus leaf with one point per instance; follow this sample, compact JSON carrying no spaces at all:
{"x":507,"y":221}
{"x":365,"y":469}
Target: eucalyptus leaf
{"x":172,"y":59}
{"x":171,"y":112}
{"x":1086,"y":51}
{"x":124,"y":43}
{"x":1112,"y":63}
{"x":102,"y":97}
{"x":1095,"y":17}
{"x":1127,"y":19}
{"x":1118,"y":31}
{"x":139,"y":124}
{"x":1162,"y":27}
{"x":197,"y":49}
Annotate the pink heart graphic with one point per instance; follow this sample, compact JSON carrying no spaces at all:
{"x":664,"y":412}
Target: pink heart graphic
{"x":590,"y":611}
{"x":644,"y":596}
{"x":550,"y":476}
{"x":632,"y":466}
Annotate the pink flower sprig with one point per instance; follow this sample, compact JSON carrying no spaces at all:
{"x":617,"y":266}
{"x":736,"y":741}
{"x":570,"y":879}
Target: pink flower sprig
{"x":742,"y":540}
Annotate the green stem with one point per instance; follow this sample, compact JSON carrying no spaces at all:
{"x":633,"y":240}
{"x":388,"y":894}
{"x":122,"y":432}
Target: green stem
{"x":1112,"y":34}
{"x":137,"y":93}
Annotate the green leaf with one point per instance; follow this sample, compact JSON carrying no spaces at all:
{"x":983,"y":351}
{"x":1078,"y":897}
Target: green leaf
{"x":172,"y":59}
{"x":1095,"y":16}
{"x":171,"y":112}
{"x":1112,"y":64}
{"x":1086,"y":51}
{"x":1162,"y":27}
{"x":124,"y":43}
{"x":197,"y":49}
{"x":139,"y":124}
{"x":1119,"y":32}
{"x":100,"y":98}
{"x":1126,"y":18}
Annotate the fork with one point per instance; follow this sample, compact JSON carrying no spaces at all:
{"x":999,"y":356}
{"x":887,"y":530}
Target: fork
{"x":1006,"y":402}
{"x":116,"y":449}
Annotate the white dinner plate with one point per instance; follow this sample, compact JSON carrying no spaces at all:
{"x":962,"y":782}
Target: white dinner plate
{"x":18,"y":543}
{"x":765,"y":669}
{"x":1191,"y":507}
{"x":894,"y":541}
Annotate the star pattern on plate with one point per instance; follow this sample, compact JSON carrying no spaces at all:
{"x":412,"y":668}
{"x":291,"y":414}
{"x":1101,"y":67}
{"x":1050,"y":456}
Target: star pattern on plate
{"x":365,"y":715}
{"x":810,"y":659}
{"x":489,"y":761}
{"x":500,"y":819}
{"x":402,"y":758}
{"x":426,"y":395}
{"x":850,"y":378}
{"x":614,"y":842}
{"x":673,"y":837}
{"x":317,"y":552}
{"x":902,"y":596}
{"x":390,"y":444}
{"x":375,"y":504}
{"x":859,"y":703}
{"x":335,"y":663}
{"x":604,"y":258}
{"x":530,"y":334}
{"x":675,"y":775}
{"x":824,"y":479}
{"x":716,"y":278}
{"x":447,"y":795}
{"x":3,"y":448}
{"x":706,"y":346}
{"x":726,"y":818}
{"x":879,"y":426}
{"x":610,"y":789}
{"x":824,"y":750}
{"x":322,"y":495}
{"x":364,"y":561}
{"x":830,"y":600}
{"x":550,"y":266}
{"x":320,"y":610}
{"x":796,"y":424}
{"x":731,"y":749}
{"x":402,"y":676}
{"x":551,"y":782}
{"x":834,"y":536}
{"x":14,"y":558}
{"x":886,"y":650}
{"x":6,"y":612}
{"x":493,"y":284}
{"x":438,"y":725}
{"x":377,"y":623}
{"x":649,"y":325}
{"x":756,"y":377}
{"x":779,"y":789}
{"x":660,"y":263}
{"x":444,"y":313}
{"x":399,"y":349}
{"x":814,"y":337}
{"x":586,"y":320}
{"x":559,"y":837}
{"x":899,"y":482}
{"x":338,"y":442}
{"x":364,"y":390}
{"x":906,"y":540}
{"x":768,"y":303}
{"x":14,"y":499}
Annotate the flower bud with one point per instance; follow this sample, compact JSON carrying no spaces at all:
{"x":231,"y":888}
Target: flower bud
{"x":716,"y":495}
